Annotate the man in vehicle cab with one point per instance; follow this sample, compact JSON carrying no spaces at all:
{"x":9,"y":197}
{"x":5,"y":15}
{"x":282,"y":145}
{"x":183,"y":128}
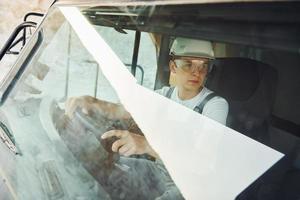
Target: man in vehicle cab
{"x":189,"y":65}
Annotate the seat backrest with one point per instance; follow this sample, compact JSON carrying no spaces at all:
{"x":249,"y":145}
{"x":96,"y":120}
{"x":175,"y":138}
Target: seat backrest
{"x":249,"y":86}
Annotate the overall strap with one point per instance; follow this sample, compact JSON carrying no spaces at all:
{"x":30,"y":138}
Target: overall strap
{"x":169,"y":92}
{"x":200,"y":106}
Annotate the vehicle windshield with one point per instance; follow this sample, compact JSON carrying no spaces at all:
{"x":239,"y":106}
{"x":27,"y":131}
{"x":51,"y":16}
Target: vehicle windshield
{"x":106,"y":109}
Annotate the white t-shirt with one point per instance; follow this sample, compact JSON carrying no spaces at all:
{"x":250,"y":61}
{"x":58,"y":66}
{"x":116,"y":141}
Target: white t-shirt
{"x":216,"y":108}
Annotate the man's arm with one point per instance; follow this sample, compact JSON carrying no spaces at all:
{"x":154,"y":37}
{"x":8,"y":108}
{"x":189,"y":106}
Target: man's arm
{"x":129,"y":143}
{"x":216,"y":109}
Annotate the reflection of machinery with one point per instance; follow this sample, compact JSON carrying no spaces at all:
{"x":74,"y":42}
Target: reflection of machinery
{"x":82,"y":136}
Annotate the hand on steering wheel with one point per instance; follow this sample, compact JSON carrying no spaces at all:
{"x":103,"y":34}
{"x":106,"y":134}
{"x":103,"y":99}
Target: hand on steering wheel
{"x":128,"y":143}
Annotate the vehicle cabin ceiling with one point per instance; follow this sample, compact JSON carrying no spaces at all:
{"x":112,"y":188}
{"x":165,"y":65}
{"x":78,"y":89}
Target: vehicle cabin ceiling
{"x":233,"y":23}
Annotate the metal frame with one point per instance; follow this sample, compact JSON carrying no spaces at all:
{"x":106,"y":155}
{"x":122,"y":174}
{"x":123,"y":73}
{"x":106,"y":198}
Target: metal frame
{"x":135,"y":51}
{"x":10,"y":42}
{"x":22,"y":68}
{"x":26,"y":19}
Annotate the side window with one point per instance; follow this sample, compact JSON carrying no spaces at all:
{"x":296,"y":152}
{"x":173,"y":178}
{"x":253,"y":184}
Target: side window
{"x":123,"y":45}
{"x":147,"y":61}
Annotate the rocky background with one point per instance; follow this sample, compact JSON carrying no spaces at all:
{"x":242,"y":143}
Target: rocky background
{"x":11,"y":15}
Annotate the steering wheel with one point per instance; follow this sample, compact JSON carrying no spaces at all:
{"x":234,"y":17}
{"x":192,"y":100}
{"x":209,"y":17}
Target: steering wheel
{"x":82,"y":136}
{"x":98,"y":124}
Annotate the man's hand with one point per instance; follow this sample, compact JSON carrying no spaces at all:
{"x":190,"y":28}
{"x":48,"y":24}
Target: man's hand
{"x":129,"y":143}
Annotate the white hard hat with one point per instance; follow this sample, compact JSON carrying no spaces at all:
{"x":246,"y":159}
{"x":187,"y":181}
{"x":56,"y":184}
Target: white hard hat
{"x":192,"y":47}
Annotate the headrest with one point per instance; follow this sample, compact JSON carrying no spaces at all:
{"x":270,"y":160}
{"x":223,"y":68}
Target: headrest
{"x":236,"y":78}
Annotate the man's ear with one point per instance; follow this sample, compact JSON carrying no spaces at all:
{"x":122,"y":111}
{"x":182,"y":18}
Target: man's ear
{"x":172,"y":66}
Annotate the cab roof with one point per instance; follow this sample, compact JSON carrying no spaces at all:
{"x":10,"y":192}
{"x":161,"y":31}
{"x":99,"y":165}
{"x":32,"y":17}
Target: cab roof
{"x":202,"y":19}
{"x":153,"y":2}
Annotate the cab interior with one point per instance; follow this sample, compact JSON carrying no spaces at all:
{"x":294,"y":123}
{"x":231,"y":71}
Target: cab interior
{"x":256,"y":70}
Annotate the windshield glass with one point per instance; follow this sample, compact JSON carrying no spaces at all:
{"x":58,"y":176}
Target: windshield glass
{"x":105,"y":110}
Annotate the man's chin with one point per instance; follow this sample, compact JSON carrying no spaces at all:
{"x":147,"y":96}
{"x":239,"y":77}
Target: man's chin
{"x":192,"y":88}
